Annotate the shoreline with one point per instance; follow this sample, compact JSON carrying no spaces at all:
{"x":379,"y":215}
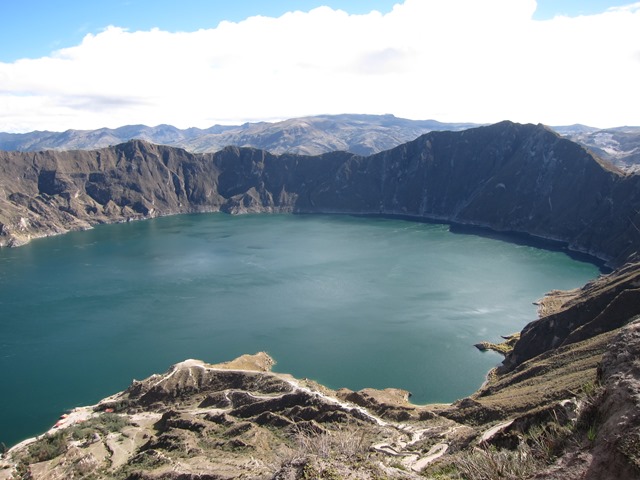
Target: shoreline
{"x":544,"y":303}
{"x":603,"y":262}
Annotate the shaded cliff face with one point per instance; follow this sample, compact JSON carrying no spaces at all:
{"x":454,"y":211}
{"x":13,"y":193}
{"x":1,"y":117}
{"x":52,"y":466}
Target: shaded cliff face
{"x":507,"y":177}
{"x":48,"y":193}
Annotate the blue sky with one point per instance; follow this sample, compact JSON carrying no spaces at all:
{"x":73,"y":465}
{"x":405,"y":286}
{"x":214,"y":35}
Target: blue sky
{"x":33,"y":28}
{"x":88,"y":64}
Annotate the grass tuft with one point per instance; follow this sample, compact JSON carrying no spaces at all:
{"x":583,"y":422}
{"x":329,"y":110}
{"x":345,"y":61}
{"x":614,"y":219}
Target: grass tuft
{"x":490,"y":464}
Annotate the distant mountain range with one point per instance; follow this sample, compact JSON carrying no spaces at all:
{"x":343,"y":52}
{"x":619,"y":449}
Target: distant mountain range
{"x":314,"y":135}
{"x":360,"y":134}
{"x":620,"y":145}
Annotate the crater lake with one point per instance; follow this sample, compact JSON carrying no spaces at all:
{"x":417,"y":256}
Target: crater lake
{"x":347,"y":301}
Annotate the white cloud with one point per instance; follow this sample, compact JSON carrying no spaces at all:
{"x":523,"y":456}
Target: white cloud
{"x":452,"y":60}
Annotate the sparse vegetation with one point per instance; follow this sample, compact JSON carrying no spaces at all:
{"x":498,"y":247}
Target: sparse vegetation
{"x":539,"y":446}
{"x":442,"y":471}
{"x":630,"y":447}
{"x":77,"y":462}
{"x":119,"y":405}
{"x":340,"y":443}
{"x":398,"y":466}
{"x":491,"y":464}
{"x":589,"y":417}
{"x":80,"y":464}
{"x":555,"y":376}
{"x":549,"y":441}
{"x":324,"y":454}
{"x":47,"y":448}
{"x":104,"y":423}
{"x":146,"y":460}
{"x":309,"y":472}
{"x":589,"y":389}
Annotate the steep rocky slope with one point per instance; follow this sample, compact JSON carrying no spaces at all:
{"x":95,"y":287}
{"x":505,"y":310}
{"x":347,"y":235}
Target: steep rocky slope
{"x":507,"y":177}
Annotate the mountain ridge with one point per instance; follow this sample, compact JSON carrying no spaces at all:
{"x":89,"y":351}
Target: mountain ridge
{"x":313,"y":135}
{"x":361,"y":134}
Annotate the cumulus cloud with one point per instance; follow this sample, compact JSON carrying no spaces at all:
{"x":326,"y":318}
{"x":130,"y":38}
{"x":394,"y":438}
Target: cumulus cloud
{"x":452,"y":60}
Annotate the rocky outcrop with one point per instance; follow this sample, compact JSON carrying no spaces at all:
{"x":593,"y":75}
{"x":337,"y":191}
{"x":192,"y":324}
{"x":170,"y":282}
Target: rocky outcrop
{"x":506,"y":177}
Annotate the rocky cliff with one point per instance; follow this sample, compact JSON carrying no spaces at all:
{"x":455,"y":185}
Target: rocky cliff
{"x":507,"y":177}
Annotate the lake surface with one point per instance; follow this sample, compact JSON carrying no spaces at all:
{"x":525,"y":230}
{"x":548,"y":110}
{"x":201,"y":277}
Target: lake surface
{"x":350,"y":302}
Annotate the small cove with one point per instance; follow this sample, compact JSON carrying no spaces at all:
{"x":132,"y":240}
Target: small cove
{"x":348,"y":301}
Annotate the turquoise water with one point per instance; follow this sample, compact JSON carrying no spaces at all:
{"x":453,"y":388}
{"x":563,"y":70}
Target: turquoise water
{"x":350,"y":302}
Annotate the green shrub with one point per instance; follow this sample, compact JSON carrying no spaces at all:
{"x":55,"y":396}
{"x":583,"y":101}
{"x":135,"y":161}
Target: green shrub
{"x":47,"y":448}
{"x":105,"y":423}
{"x":346,"y":443}
{"x":442,"y":471}
{"x":548,"y":441}
{"x":112,"y":422}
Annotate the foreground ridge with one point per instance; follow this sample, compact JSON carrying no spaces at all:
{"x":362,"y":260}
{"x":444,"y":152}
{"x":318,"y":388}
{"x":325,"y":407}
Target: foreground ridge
{"x":227,"y":421}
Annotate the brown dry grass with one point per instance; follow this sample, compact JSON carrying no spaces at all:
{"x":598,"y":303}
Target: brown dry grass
{"x":259,"y":362}
{"x":549,"y":377}
{"x":554,"y":301}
